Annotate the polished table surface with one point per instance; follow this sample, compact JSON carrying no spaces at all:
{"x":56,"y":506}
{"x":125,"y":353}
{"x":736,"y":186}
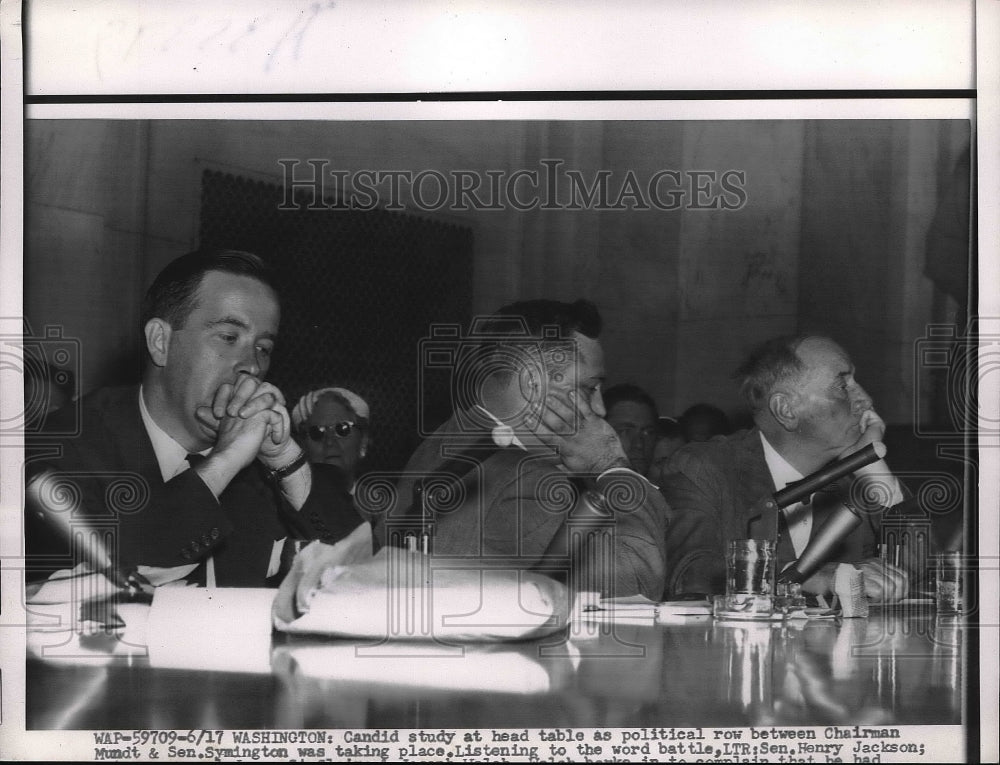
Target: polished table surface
{"x":899,"y":666}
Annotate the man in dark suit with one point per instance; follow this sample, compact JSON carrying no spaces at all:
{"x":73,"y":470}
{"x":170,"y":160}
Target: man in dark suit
{"x":808,"y":410}
{"x":194,"y":474}
{"x":527,"y":473}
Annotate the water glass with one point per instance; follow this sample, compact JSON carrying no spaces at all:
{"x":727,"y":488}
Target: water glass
{"x":750,"y":569}
{"x":949,"y":585}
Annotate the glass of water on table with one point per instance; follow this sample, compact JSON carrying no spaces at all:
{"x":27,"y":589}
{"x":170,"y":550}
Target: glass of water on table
{"x":750,"y":575}
{"x":949,"y":589}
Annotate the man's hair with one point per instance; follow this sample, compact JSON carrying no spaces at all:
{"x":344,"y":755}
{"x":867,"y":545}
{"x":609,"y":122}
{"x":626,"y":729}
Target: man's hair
{"x":173,"y":294}
{"x":547,"y":325}
{"x":668,"y":427}
{"x":540,"y":317}
{"x":770,"y":364}
{"x":718,"y":422}
{"x":628,"y":392}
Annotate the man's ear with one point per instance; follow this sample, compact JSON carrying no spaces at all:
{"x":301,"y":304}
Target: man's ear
{"x":158,"y":341}
{"x":783,"y":410}
{"x":530,"y":381}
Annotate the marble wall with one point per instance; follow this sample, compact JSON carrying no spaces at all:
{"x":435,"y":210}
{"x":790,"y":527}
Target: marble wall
{"x":827,"y":235}
{"x":85,"y":239}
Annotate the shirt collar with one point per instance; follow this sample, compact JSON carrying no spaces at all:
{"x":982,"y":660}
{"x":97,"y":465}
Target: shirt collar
{"x":503,"y":434}
{"x":782,"y":473}
{"x":170,"y":455}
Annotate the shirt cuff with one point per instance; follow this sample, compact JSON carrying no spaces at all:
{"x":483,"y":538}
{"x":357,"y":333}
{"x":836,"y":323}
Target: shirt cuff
{"x":625,"y":470}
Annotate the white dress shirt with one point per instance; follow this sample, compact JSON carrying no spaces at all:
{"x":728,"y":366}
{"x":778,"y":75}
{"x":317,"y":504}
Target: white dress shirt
{"x":799,"y":516}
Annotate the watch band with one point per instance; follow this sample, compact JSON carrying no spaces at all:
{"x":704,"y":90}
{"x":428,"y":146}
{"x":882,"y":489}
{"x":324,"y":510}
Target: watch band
{"x":286,"y":470}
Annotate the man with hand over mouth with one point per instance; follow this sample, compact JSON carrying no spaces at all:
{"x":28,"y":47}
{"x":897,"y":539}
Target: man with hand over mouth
{"x":526,"y":475}
{"x":219,"y":490}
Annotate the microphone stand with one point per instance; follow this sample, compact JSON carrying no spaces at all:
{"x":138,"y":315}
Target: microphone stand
{"x":129,"y":583}
{"x":838,"y":526}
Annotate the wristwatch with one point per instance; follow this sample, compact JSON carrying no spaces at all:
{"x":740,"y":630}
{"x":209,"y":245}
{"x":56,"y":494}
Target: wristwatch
{"x":286,"y":470}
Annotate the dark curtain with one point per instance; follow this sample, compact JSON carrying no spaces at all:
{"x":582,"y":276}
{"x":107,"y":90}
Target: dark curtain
{"x":360,"y":290}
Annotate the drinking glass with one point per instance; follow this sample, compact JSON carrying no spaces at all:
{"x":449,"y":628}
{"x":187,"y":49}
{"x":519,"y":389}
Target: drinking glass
{"x":750,"y":568}
{"x":949,"y":590}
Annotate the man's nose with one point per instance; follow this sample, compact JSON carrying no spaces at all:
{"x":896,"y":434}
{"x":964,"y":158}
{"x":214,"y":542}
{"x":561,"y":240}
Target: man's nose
{"x":250,"y":363}
{"x":862,"y":401}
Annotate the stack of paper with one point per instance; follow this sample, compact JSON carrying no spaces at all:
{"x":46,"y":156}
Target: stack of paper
{"x":639,"y":608}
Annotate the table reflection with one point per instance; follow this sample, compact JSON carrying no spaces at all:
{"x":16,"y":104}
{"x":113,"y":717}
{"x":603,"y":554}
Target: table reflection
{"x":746,"y":683}
{"x":893,"y":668}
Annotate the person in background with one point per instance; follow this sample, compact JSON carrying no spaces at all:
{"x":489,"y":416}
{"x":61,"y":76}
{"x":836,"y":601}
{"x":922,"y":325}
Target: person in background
{"x":669,"y":439}
{"x":702,"y":422}
{"x":632,"y":413}
{"x":808,"y":410}
{"x":332,"y":425}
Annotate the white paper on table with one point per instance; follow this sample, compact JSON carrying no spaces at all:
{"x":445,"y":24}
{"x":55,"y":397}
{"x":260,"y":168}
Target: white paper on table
{"x":397,"y":595}
{"x":685,"y":608}
{"x":223,"y":629}
{"x":641,"y":605}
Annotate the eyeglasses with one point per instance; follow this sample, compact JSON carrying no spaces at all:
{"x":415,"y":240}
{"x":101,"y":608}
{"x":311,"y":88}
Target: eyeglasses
{"x":340,"y":429}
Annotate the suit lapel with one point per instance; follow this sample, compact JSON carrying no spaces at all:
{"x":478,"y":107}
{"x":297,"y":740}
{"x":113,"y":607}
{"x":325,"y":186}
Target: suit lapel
{"x":133,"y":446}
{"x":753,"y":482}
{"x":451,"y":459}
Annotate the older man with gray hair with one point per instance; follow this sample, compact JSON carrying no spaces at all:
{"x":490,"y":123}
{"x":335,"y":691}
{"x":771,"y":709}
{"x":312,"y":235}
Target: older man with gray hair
{"x":808,"y":410}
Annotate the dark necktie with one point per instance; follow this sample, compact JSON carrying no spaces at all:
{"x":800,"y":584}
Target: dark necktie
{"x":288,"y":553}
{"x":200,"y":574}
{"x":785,"y":550}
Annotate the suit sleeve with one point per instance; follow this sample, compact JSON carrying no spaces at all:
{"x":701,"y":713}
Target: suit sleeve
{"x":183,"y":521}
{"x":616,"y":548}
{"x":694,"y":546}
{"x":152,"y":523}
{"x":328,"y":513}
{"x":640,"y":516}
{"x":140,"y":521}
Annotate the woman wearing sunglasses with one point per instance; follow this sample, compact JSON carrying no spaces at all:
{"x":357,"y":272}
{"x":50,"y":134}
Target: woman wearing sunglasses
{"x":331,"y":425}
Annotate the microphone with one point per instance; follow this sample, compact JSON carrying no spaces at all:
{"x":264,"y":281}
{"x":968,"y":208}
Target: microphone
{"x":767,"y":508}
{"x":55,"y":504}
{"x":794,"y":492}
{"x":841,"y":522}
